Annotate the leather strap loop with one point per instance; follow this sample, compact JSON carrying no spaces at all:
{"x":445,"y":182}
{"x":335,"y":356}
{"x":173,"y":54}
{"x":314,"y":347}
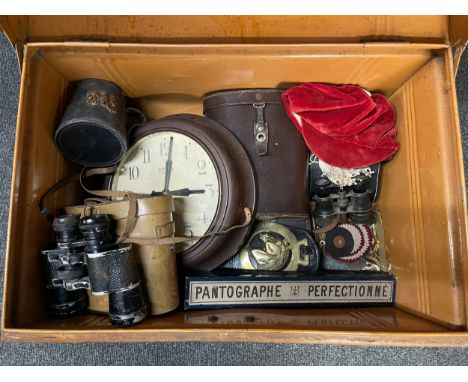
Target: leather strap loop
{"x":164,"y":230}
{"x":260,"y":130}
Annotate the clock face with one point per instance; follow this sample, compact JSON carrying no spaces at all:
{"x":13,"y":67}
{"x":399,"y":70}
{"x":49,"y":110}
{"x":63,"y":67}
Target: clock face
{"x":172,"y":163}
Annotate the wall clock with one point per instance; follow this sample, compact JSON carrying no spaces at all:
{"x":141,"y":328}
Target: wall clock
{"x":207,"y":171}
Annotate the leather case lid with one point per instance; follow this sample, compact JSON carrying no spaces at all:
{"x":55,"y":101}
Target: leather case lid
{"x":234,"y":97}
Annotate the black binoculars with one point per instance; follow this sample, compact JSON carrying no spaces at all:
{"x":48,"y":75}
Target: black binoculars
{"x":355,"y":202}
{"x":87,"y":258}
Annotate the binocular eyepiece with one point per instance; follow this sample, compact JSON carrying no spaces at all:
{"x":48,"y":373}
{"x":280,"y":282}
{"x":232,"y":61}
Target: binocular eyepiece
{"x":95,"y":231}
{"x":66,"y":229}
{"x":87,"y":258}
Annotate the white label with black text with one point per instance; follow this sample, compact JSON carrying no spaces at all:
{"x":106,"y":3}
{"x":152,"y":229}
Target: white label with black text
{"x":264,"y":292}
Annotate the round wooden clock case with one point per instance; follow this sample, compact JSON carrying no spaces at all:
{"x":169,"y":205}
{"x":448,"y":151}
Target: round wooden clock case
{"x":234,"y":172}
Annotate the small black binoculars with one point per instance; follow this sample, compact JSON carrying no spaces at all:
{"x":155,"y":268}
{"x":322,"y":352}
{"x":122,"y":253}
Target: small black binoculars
{"x":355,"y":202}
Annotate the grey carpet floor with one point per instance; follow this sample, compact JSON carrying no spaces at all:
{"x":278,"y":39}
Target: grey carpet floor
{"x":193,"y":353}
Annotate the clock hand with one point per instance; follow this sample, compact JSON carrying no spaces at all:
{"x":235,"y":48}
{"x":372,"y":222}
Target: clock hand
{"x":180,"y":192}
{"x":167,"y":175}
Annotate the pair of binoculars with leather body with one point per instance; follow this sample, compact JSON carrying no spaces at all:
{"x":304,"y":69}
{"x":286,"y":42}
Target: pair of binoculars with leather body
{"x":86,"y":257}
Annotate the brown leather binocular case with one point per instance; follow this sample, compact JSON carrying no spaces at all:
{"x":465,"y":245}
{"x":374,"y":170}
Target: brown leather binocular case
{"x":258,"y":119}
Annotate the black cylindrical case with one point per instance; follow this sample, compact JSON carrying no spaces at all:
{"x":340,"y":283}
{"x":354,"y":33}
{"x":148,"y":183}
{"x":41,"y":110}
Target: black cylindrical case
{"x":92,"y":129}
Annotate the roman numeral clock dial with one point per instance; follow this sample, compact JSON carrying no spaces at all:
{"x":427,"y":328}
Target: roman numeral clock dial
{"x":206,"y":170}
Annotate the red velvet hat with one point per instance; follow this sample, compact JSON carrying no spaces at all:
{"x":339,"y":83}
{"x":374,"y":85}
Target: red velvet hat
{"x":343,"y":125}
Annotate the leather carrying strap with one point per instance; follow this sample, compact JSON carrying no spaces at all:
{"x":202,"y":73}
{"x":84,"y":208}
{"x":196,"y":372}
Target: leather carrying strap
{"x":62,"y":183}
{"x":132,"y":209}
{"x":182,"y":239}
